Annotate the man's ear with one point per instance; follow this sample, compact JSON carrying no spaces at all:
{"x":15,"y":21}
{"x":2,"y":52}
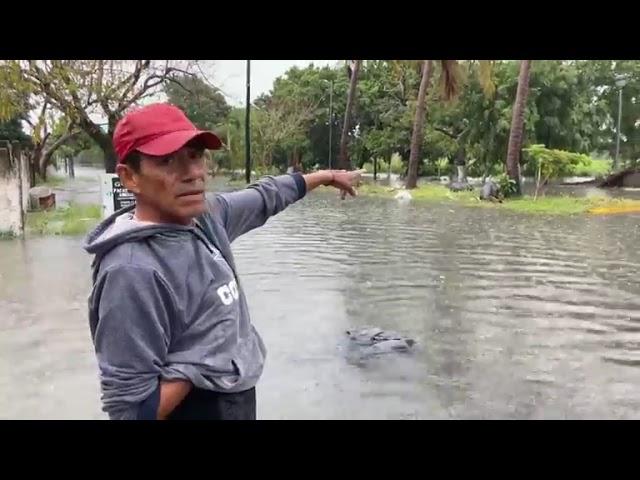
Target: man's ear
{"x":128,"y":177}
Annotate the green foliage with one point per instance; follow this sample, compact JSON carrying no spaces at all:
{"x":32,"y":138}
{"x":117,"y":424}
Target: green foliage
{"x":442,"y":164}
{"x":506,"y":185}
{"x":593,"y":168}
{"x":74,"y":219}
{"x":397,"y":165}
{"x":551,"y":163}
{"x":12,"y":130}
{"x":205,"y":106}
{"x":571,"y":106}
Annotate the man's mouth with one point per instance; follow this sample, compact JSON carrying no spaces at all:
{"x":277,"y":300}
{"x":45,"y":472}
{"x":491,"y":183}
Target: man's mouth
{"x":191,"y":193}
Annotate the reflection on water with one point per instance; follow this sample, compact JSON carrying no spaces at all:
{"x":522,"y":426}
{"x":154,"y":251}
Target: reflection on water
{"x":515,"y":316}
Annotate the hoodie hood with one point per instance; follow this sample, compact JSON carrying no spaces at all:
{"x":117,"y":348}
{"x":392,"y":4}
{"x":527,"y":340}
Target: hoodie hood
{"x":121,"y":227}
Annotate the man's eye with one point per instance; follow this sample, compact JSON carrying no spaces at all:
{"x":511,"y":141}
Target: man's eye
{"x":195,"y":154}
{"x":166,"y":160}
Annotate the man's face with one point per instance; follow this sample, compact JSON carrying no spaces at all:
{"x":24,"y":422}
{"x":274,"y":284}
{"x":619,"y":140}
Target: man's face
{"x":171,"y":188}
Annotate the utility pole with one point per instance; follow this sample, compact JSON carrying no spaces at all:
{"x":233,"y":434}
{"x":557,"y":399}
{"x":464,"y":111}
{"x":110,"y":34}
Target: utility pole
{"x":247,"y":127}
{"x":330,"y":122}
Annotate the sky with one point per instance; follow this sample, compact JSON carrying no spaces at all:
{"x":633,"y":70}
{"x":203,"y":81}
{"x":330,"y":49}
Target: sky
{"x":230,"y":75}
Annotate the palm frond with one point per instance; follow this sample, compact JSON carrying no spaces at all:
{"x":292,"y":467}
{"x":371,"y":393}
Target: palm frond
{"x":485,"y":77}
{"x":450,"y":79}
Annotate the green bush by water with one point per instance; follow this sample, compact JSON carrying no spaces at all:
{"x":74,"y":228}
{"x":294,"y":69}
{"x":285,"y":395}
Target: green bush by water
{"x":593,"y":168}
{"x":75,"y":219}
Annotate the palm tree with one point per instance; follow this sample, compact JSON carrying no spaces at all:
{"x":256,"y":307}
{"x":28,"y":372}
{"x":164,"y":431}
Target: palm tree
{"x":450,"y":78}
{"x":517,"y":125}
{"x":449,"y":83}
{"x":343,"y":157}
{"x":418,"y":124}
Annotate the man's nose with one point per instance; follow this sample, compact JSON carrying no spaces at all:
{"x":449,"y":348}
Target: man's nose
{"x":194,"y":169}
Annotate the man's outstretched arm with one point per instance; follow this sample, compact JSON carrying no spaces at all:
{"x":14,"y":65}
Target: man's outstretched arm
{"x":340,"y":179}
{"x":246,"y":209}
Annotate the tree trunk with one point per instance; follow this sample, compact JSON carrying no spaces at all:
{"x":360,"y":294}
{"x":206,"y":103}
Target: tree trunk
{"x":517,"y":125}
{"x":35,"y":163}
{"x":418,"y":125}
{"x":47,"y":153}
{"x":343,"y":157}
{"x":106,"y":145}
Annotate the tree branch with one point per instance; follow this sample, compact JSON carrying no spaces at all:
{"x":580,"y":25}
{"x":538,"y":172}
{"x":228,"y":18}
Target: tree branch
{"x":446,"y":132}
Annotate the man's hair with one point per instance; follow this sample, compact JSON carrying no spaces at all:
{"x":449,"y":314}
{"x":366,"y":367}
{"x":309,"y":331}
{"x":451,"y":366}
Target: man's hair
{"x":133,"y":160}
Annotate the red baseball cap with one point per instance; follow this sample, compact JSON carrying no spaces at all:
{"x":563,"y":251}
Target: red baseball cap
{"x":158,"y":129}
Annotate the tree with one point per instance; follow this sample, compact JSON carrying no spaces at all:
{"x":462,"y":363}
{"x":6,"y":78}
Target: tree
{"x":205,"y":106}
{"x":344,"y":161}
{"x":274,"y":125}
{"x":82,"y":90}
{"x":517,"y":124}
{"x":12,"y":131}
{"x":47,"y":140}
{"x":418,"y":124}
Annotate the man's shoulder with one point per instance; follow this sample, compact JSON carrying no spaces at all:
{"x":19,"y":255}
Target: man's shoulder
{"x":149,"y":256}
{"x":126,"y":256}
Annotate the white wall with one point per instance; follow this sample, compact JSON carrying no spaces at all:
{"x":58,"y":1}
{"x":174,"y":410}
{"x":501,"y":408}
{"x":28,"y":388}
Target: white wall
{"x":11,"y":202}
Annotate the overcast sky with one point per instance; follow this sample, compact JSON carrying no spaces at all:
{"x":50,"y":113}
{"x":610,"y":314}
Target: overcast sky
{"x":230,"y":75}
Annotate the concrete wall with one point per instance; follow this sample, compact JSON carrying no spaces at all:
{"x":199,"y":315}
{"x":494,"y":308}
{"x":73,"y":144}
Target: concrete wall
{"x":13,"y":190}
{"x":631,"y":180}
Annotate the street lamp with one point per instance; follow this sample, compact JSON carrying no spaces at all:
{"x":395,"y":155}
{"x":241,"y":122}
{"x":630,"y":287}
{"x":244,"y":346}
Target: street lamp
{"x":621,"y":81}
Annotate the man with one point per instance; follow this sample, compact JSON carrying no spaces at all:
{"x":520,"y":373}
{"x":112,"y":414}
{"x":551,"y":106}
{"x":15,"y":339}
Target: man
{"x":168,"y":316}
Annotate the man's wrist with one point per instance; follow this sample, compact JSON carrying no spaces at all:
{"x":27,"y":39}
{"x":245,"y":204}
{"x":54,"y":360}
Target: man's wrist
{"x":330,"y":178}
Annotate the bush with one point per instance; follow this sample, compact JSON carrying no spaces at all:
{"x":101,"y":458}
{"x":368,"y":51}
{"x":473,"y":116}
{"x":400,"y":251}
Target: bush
{"x":442,"y":164}
{"x":549,"y":163}
{"x":506,"y":185}
{"x":564,"y":163}
{"x":397,"y":166}
{"x":594,"y":168}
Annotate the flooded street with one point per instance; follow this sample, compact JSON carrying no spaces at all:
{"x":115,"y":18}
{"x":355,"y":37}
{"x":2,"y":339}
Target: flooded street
{"x":515,"y":316}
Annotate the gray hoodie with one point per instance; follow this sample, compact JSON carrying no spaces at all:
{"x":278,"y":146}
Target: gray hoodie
{"x":166,"y":301}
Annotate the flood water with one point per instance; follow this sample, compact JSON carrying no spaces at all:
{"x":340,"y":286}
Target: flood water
{"x":516,"y":316}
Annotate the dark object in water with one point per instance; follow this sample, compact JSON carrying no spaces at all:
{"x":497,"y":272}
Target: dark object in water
{"x":490,"y":191}
{"x":375,"y":341}
{"x":459,"y":186}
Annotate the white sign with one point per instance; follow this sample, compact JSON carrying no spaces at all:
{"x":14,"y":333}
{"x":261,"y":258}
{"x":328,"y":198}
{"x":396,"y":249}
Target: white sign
{"x":114,"y":195}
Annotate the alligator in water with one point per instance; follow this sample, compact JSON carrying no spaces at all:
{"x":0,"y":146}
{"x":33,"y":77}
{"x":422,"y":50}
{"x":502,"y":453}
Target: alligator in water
{"x":372,"y":341}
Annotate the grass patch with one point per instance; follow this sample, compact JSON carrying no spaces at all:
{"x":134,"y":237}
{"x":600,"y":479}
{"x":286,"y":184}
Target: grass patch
{"x":595,"y":168}
{"x":53,"y":181}
{"x":551,"y":205}
{"x":75,"y":219}
{"x":565,"y":205}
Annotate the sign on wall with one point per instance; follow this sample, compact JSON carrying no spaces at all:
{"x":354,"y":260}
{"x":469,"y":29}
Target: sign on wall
{"x":114,"y":195}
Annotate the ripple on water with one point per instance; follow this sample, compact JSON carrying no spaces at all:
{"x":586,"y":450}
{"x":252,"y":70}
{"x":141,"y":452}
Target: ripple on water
{"x":516,"y":316}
